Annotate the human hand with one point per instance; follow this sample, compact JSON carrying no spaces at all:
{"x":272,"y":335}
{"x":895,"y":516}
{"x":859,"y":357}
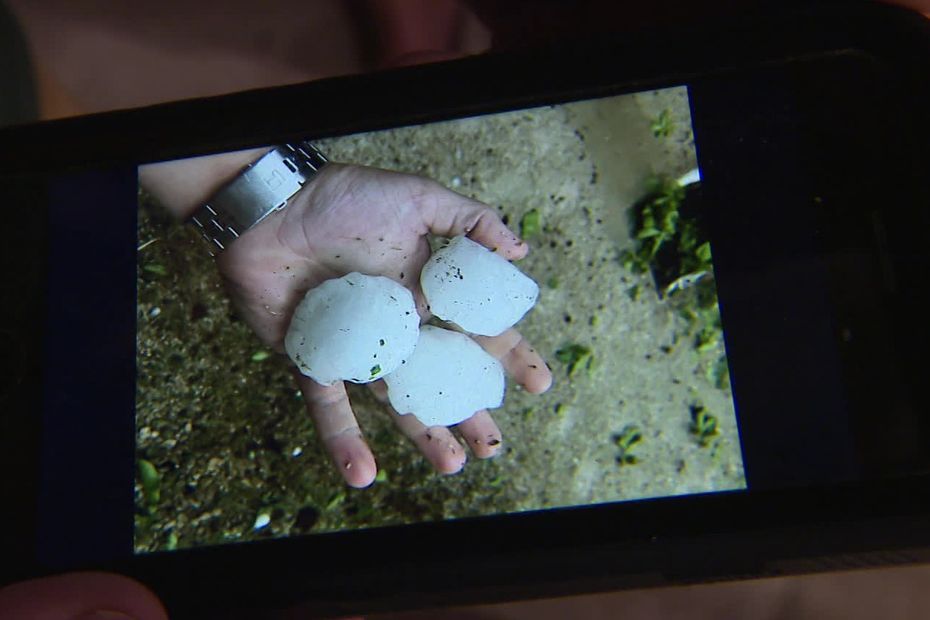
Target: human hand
{"x":85,"y":596}
{"x":352,"y":218}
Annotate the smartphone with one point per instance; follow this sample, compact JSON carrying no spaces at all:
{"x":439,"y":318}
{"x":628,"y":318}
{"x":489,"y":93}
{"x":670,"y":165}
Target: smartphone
{"x":728,"y":228}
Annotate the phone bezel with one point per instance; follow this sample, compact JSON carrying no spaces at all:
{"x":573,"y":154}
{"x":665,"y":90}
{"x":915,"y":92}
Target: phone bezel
{"x":553,"y":552}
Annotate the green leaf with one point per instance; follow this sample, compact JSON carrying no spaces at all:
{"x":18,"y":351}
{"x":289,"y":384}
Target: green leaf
{"x":575,"y":356}
{"x":646,"y":233}
{"x":150,"y":481}
{"x":335,"y":500}
{"x":381,"y":476}
{"x":156,"y":268}
{"x":706,"y":339}
{"x":669,"y":222}
{"x":703,"y":424}
{"x":721,"y":373}
{"x":662,"y":126}
{"x":147,"y":473}
{"x":628,"y":437}
{"x":530,"y":224}
{"x":625,"y":440}
{"x":260,"y":356}
{"x":629,"y":260}
{"x":703,"y":252}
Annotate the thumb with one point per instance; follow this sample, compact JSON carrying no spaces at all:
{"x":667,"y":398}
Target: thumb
{"x":81,"y":595}
{"x":448,"y":214}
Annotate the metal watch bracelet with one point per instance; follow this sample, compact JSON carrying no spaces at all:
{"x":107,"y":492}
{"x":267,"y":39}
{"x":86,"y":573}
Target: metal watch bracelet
{"x":259,"y":190}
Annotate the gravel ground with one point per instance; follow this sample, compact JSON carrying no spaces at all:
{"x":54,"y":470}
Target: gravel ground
{"x":229,"y":437}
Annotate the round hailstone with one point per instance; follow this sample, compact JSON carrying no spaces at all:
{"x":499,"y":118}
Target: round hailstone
{"x":478,"y":290}
{"x":447,"y":379}
{"x":355,"y":328}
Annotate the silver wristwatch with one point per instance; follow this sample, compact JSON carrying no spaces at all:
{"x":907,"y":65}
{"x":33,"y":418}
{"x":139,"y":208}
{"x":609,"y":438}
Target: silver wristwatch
{"x":261,"y":189}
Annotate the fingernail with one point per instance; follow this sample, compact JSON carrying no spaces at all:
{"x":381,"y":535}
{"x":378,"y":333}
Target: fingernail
{"x":104,"y":614}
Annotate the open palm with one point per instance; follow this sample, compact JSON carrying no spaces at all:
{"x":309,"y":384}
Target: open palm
{"x":377,"y":222}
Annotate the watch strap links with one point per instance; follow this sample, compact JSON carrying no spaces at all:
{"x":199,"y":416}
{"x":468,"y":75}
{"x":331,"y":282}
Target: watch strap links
{"x":259,"y":190}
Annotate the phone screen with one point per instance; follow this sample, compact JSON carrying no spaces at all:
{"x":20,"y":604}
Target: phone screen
{"x":607,"y":194}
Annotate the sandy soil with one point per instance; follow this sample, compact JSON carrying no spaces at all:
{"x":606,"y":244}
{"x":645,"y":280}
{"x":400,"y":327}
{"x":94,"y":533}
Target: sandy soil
{"x":231,"y":440}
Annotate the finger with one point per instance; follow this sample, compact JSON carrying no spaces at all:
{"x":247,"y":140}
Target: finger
{"x":481,"y":434}
{"x":419,"y":298}
{"x":410,"y":59}
{"x":78,"y":595}
{"x":448,"y":214}
{"x":519,"y":359}
{"x":437,"y":443}
{"x":338,"y":429}
{"x":403,"y":37}
{"x":379,"y":389}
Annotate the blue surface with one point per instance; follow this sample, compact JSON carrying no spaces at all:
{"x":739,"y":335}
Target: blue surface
{"x":86,"y":499}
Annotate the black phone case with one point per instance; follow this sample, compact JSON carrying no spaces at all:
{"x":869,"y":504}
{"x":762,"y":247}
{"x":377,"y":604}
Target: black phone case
{"x":636,"y":544}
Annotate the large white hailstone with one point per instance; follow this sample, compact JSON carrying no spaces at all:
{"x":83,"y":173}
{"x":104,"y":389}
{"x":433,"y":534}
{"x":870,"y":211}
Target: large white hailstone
{"x":478,"y":290}
{"x":447,"y":379}
{"x":355,"y":328}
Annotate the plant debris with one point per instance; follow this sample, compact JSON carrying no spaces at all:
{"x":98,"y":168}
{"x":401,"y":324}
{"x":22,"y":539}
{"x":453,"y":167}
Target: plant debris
{"x":260,"y":356}
{"x":575,"y":356}
{"x":663,"y":125}
{"x":703,"y":425}
{"x":150,"y":481}
{"x":155,"y":268}
{"x":530,"y":224}
{"x":625,"y":440}
{"x":671,"y":245}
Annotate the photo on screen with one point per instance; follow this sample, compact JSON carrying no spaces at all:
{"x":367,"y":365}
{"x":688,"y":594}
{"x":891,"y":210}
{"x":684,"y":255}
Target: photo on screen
{"x":606,"y":193}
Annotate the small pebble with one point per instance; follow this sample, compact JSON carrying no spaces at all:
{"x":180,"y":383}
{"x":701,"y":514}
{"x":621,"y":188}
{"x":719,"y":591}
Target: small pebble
{"x":297,"y":451}
{"x":262,"y":520}
{"x":154,"y":312}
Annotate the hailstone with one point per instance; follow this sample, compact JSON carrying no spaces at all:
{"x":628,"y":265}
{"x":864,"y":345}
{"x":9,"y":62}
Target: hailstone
{"x":447,"y":379}
{"x":355,"y":328}
{"x":478,"y":290}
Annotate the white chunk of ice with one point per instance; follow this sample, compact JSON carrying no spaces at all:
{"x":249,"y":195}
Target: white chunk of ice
{"x":478,"y":290}
{"x":355,"y":328}
{"x":447,"y":379}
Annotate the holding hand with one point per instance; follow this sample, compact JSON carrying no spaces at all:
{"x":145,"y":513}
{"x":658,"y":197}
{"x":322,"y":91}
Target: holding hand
{"x":352,"y":218}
